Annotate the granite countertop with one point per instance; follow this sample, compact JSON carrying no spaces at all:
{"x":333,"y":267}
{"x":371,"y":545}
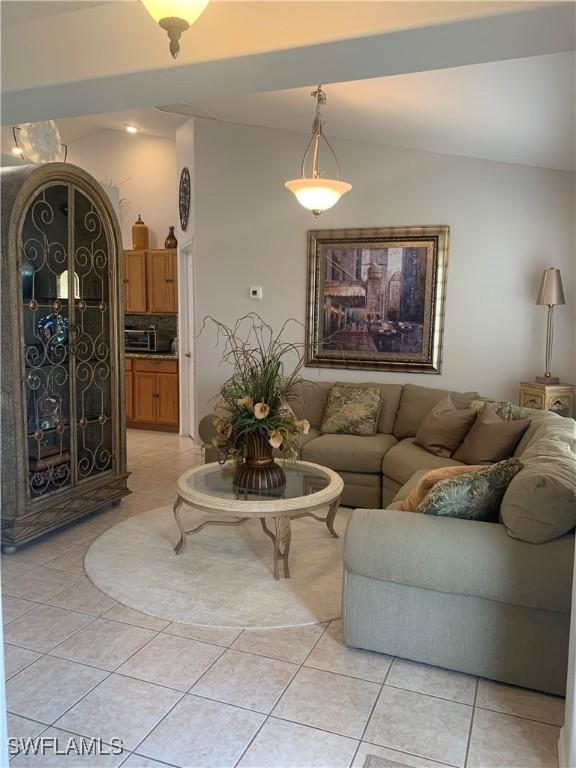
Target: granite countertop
{"x":153,"y":355}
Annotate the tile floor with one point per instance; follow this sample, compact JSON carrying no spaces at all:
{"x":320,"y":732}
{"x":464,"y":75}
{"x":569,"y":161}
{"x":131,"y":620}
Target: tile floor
{"x":80,"y":665}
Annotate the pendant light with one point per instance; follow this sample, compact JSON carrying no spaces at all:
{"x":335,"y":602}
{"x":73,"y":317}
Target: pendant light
{"x":175,"y":16}
{"x":315,"y":192}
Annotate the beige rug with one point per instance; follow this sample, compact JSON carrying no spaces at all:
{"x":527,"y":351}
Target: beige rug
{"x":223,"y":578}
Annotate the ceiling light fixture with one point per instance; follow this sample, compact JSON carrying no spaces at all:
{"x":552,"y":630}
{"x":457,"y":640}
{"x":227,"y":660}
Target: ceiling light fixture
{"x":131,"y":128}
{"x":315,"y":192}
{"x":175,"y":16}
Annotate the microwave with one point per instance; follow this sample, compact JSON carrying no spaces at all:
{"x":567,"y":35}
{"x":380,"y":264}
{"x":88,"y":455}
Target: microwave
{"x":147,"y":341}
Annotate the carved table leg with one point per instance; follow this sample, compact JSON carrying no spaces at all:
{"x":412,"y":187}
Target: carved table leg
{"x":281,"y":540}
{"x":332,"y":516}
{"x":180,"y":546}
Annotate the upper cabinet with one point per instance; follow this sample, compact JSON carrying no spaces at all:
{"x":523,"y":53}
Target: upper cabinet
{"x":135,"y":281}
{"x":150,"y":282}
{"x":162,"y":282}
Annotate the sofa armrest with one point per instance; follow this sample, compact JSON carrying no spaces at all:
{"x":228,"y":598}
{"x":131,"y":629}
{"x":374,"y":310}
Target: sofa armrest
{"x":206,"y":428}
{"x":456,"y":556}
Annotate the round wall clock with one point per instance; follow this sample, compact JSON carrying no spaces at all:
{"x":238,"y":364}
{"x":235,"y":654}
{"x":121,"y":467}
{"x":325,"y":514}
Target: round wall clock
{"x":184,"y":198}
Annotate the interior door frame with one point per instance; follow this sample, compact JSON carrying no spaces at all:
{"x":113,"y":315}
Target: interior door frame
{"x":186,"y":334}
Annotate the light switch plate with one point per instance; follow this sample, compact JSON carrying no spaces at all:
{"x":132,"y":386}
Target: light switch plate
{"x":256,"y":292}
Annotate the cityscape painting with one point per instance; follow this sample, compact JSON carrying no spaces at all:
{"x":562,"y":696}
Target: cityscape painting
{"x":376,"y":298}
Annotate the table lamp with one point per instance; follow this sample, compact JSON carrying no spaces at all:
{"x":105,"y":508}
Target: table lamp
{"x":551,"y":294}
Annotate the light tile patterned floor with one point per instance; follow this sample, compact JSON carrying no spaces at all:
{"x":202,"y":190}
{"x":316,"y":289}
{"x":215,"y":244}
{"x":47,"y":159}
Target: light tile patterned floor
{"x":79,"y":664}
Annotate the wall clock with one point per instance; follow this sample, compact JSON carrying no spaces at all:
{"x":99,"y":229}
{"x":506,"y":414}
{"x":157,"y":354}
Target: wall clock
{"x":184,"y":198}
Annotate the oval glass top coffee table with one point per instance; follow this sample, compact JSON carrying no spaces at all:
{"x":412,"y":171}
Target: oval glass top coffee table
{"x":310,"y":489}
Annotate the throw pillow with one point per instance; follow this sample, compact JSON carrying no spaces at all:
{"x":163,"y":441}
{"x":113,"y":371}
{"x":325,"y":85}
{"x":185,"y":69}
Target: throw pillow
{"x":444,"y":428}
{"x":428,"y":481}
{"x":491,"y":438}
{"x":352,"y":410}
{"x":504,"y":408}
{"x":475,"y":496}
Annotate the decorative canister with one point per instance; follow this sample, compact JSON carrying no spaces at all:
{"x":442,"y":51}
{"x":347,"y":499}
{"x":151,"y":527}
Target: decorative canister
{"x":171,"y":241}
{"x":139,"y":235}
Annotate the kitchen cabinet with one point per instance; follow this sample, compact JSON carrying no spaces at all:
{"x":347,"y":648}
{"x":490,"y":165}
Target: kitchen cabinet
{"x":151,"y":282}
{"x":135,"y":296}
{"x":129,"y":390}
{"x":162,"y":282}
{"x":155,"y":394}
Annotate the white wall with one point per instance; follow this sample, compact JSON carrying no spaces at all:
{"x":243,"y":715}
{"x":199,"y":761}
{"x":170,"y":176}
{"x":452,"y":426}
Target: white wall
{"x":507,"y":223}
{"x":143,"y":168}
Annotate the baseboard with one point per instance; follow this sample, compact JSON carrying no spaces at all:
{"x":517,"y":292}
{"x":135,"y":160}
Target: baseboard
{"x":563,"y":750}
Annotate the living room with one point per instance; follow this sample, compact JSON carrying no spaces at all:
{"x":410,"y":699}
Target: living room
{"x":396,"y":313}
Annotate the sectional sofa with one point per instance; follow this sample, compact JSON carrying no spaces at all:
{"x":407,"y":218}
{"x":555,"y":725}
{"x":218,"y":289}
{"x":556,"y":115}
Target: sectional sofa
{"x":466,"y":595}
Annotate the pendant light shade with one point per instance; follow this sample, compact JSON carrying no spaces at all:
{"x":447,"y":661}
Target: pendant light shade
{"x":175,"y":16}
{"x":314,"y":191}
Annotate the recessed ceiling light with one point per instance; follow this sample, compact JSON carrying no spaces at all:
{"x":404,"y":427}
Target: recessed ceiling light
{"x":17,"y":151}
{"x":131,"y":129}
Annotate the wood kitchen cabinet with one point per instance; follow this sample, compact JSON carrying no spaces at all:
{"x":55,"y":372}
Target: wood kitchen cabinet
{"x":151,"y":282}
{"x":155,"y":394}
{"x":135,"y":297}
{"x":162,"y":282}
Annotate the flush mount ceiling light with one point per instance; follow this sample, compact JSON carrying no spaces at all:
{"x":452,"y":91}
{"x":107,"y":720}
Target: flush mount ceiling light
{"x":131,"y":129}
{"x":315,"y":192}
{"x":175,"y":16}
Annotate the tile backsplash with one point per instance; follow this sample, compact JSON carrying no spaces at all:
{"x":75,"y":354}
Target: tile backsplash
{"x":164,"y":323}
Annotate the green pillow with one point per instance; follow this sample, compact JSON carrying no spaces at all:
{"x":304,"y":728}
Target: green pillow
{"x":352,"y":410}
{"x":474,"y":496}
{"x":504,"y":408}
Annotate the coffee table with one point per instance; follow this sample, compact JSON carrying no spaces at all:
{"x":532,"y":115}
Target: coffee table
{"x":309,"y":490}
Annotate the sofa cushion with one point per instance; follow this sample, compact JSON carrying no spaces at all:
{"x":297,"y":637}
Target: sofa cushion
{"x":540,"y":503}
{"x":391,"y":394}
{"x":444,"y":428}
{"x":417,"y":402}
{"x":474,"y":496}
{"x":491,"y":438}
{"x":462,"y":557}
{"x":352,"y":409}
{"x":405,"y":458}
{"x":309,"y":400}
{"x":349,"y":453}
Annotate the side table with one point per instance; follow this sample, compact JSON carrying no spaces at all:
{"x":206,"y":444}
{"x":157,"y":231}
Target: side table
{"x":548,"y":397}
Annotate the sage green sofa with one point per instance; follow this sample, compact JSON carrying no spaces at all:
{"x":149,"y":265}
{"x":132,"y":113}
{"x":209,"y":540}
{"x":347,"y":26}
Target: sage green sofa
{"x":454,"y":593}
{"x":373,"y":468}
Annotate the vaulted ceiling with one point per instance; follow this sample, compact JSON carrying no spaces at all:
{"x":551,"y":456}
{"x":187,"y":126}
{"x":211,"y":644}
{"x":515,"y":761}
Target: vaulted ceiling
{"x":484,"y":79}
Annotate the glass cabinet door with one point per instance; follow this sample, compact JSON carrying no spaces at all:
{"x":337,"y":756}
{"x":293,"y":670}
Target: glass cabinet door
{"x":44,"y":256}
{"x":90,"y":279}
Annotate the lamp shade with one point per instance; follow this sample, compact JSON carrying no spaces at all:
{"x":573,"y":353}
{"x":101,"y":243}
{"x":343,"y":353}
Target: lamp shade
{"x":551,"y":292}
{"x":188,"y":10}
{"x":318,"y":195}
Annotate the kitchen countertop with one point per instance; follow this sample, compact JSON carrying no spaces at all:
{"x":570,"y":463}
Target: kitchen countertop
{"x":152,"y":355}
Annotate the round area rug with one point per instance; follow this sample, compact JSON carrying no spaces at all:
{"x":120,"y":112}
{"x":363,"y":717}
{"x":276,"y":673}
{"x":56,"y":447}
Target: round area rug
{"x":223,"y":578}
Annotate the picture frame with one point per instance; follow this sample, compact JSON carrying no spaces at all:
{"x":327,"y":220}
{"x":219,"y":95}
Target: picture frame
{"x":376,"y":298}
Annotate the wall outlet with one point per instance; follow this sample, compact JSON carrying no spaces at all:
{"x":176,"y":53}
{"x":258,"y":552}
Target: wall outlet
{"x":256,"y":292}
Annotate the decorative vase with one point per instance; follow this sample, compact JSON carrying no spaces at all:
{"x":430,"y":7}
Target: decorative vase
{"x":259,"y":471}
{"x":171,"y":241}
{"x":140,"y":237}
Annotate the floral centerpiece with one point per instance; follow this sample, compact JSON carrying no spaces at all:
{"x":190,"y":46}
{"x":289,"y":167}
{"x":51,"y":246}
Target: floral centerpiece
{"x":254,"y":414}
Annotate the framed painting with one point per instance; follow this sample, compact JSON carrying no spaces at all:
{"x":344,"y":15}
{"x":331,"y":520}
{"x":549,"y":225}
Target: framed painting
{"x":376,"y":298}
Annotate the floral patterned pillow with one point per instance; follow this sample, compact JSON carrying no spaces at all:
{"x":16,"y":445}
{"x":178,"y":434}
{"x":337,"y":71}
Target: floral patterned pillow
{"x":504,"y":408}
{"x":474,"y":496}
{"x":352,"y":410}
